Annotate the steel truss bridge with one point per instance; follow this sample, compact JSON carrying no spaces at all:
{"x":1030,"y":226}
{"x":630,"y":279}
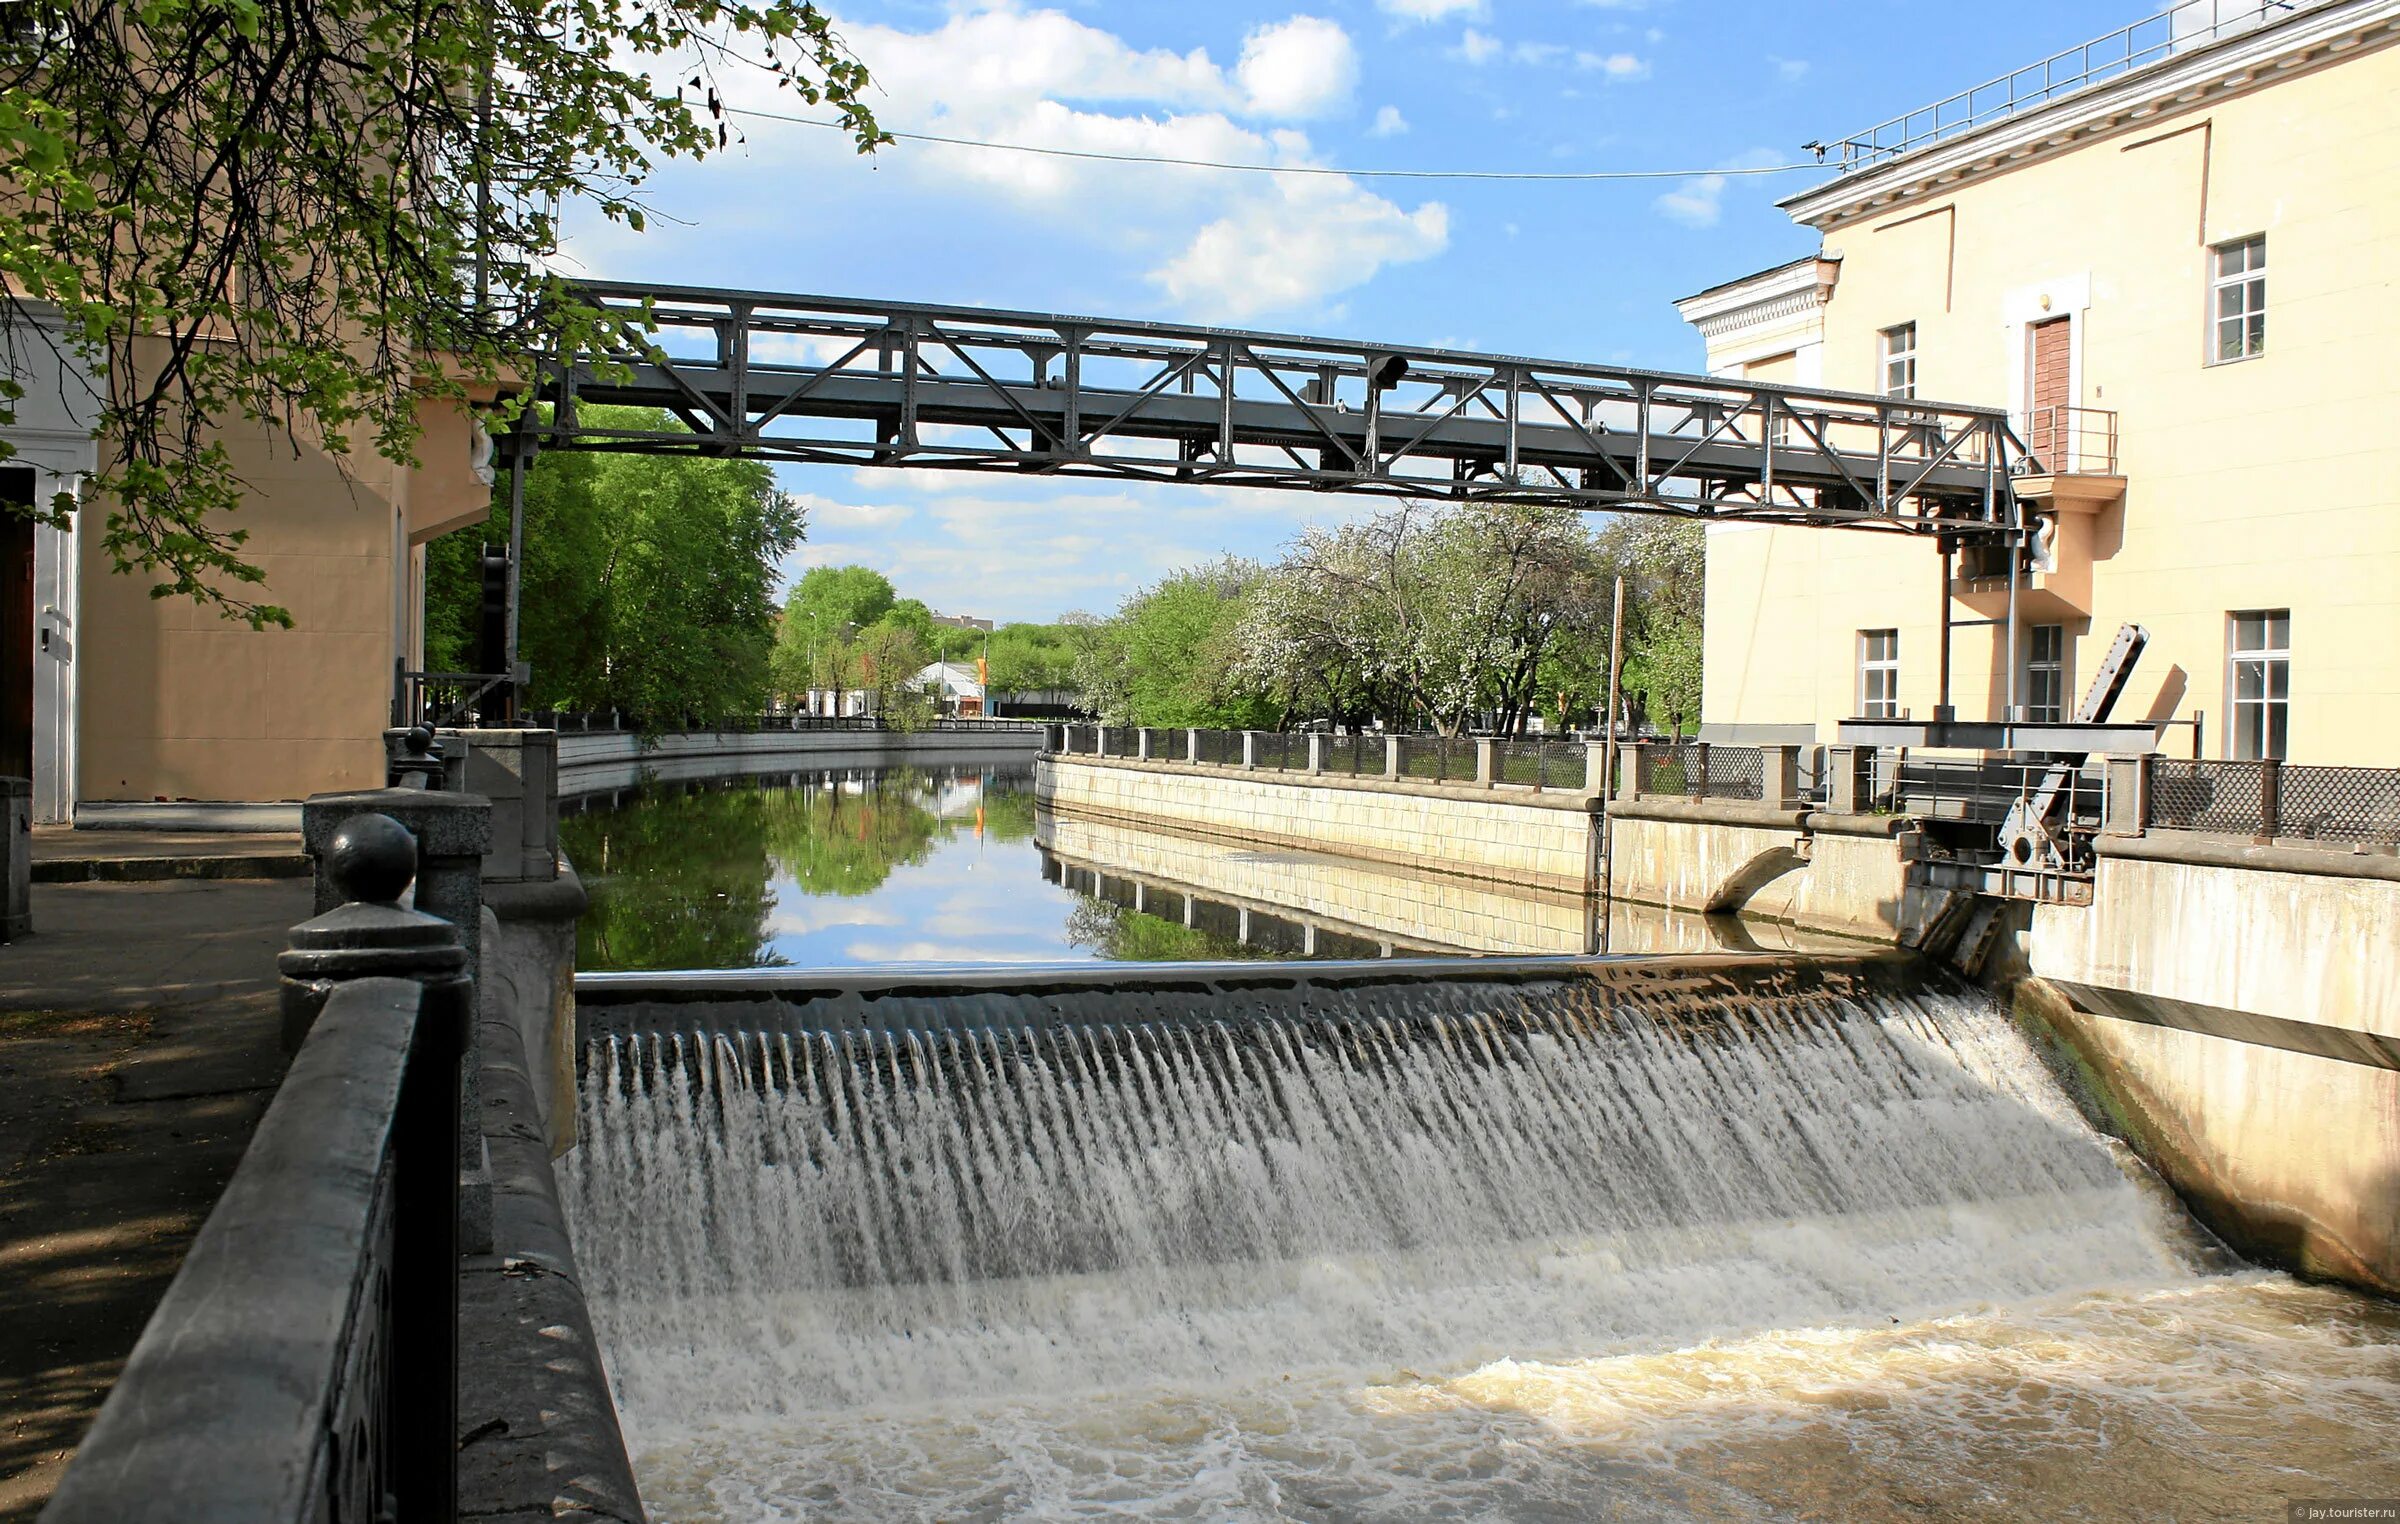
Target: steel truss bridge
{"x":834,"y":381}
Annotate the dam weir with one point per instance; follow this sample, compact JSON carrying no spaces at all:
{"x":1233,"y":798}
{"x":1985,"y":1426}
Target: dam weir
{"x":1709,"y":1238}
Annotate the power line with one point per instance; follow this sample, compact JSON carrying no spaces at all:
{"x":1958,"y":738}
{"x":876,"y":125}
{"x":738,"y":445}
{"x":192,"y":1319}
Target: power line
{"x":1297,"y":169}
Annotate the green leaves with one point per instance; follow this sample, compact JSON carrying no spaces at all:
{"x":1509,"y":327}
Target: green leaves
{"x":268,"y":213}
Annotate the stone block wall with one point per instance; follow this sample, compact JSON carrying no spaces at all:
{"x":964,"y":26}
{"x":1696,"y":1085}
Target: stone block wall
{"x":1384,"y":901}
{"x":1545,"y":841}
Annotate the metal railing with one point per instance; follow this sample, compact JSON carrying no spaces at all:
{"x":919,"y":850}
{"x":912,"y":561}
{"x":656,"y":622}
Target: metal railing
{"x":2151,"y":40}
{"x":1439,"y":759}
{"x":1359,"y":756}
{"x":1221,"y":748}
{"x":2060,"y":439}
{"x":1542,"y":764}
{"x":1281,"y":750}
{"x":447,"y":699}
{"x":1700,"y":770}
{"x":304,"y":1363}
{"x":2267,"y":801}
{"x":1985,"y":791}
{"x":615,"y":721}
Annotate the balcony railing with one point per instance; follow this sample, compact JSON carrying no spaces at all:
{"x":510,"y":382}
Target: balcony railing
{"x":2151,"y":40}
{"x":2062,"y":440}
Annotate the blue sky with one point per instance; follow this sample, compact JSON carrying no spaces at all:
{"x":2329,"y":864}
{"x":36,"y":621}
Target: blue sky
{"x":1584,"y":271}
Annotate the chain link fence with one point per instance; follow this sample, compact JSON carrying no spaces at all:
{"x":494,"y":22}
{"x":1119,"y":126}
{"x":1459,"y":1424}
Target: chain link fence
{"x":2260,"y":800}
{"x":1438,"y":759}
{"x":1542,"y":764}
{"x":1355,"y":755}
{"x":1697,"y":770}
{"x":1221,"y":748}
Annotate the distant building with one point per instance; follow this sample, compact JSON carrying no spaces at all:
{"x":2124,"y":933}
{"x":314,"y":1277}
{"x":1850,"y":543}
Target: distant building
{"x":955,"y":686}
{"x":2180,"y":278}
{"x":963,"y":622}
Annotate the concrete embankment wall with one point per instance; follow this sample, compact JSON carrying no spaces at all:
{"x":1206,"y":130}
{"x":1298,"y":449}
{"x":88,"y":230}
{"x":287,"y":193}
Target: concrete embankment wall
{"x":595,"y":762}
{"x":1515,"y":835}
{"x":2236,"y":1012}
{"x":1843,"y":874}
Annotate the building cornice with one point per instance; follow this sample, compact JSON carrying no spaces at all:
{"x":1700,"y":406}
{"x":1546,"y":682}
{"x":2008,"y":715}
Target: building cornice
{"x":2249,"y":61}
{"x":1786,"y":291}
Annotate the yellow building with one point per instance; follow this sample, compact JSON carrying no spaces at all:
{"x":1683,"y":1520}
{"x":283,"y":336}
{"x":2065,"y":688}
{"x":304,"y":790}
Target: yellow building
{"x":134,"y":700}
{"x":2183,"y":278}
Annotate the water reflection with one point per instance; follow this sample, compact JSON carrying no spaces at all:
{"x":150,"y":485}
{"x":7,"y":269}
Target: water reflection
{"x":863,"y":866}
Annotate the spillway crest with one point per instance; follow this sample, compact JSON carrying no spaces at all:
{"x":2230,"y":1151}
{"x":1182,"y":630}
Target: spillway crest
{"x":792,"y":1220}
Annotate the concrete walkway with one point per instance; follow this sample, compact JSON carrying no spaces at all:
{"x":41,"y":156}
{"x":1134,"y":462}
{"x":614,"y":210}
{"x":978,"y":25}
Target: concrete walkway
{"x":138,"y":1047}
{"x":62,"y":855}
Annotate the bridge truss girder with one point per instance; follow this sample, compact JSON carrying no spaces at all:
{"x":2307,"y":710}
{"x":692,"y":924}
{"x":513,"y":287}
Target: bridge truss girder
{"x":835,"y":381}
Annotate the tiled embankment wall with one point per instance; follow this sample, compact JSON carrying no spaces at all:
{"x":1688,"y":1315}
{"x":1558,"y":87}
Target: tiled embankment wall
{"x":1383,"y":901}
{"x":1538,"y":840}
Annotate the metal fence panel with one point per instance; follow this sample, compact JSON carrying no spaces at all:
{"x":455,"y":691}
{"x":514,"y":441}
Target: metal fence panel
{"x":2227,"y":797}
{"x":2354,"y":804}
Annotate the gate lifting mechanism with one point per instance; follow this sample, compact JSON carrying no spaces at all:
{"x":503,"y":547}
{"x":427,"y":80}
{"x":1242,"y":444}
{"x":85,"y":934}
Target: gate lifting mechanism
{"x":2032,"y":834}
{"x":841,"y":382}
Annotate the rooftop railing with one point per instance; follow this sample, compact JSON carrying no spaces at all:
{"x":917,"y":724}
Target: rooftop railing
{"x":2151,"y":40}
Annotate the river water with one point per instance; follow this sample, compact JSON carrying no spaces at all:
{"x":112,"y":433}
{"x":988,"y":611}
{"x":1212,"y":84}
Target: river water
{"x":1501,"y":1254}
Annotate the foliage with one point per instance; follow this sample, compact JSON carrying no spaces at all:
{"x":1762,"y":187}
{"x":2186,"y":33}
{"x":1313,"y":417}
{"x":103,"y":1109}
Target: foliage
{"x":267,"y":214}
{"x":1665,"y":563}
{"x":648,"y":582}
{"x":890,"y":656}
{"x":1121,"y":935}
{"x":1171,"y":654}
{"x":1423,"y":612}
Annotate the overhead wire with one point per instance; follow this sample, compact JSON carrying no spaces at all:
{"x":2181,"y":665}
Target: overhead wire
{"x":1293,"y":169}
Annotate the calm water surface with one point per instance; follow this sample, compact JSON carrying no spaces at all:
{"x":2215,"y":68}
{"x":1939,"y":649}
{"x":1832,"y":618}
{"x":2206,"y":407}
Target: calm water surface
{"x":904,"y":865}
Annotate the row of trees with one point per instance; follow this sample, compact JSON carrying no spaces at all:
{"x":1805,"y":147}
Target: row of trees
{"x":649,"y":581}
{"x":1425,"y":615}
{"x":846,"y":628}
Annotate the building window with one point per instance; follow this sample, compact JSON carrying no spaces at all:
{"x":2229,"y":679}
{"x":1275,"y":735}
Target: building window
{"x":1879,"y":674}
{"x":2237,"y":300}
{"x":1900,"y":361}
{"x":2260,"y":676}
{"x":2046,"y":674}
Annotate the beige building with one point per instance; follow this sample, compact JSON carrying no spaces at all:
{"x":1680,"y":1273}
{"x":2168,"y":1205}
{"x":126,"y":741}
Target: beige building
{"x":2183,"y":278}
{"x":134,"y":700}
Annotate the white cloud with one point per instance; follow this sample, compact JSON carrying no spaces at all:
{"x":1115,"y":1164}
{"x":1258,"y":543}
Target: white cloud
{"x":1314,"y":237}
{"x":1478,"y":47}
{"x":1303,"y":67}
{"x":1700,"y":201}
{"x":1389,"y":123}
{"x":1788,"y":69}
{"x":1614,"y":67}
{"x":1002,"y":72}
{"x":1430,"y":10}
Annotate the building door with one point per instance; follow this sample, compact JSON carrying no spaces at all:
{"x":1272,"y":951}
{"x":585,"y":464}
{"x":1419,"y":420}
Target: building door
{"x":2048,"y":368}
{"x":16,"y":622}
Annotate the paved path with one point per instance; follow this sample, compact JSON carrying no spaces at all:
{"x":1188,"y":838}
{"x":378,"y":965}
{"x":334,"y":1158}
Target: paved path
{"x":138,"y":1046}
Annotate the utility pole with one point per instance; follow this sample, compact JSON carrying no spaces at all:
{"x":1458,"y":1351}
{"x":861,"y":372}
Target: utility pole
{"x":1616,"y":667}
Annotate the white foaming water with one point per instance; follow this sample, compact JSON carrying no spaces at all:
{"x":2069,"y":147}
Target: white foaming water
{"x":1507,"y":1256}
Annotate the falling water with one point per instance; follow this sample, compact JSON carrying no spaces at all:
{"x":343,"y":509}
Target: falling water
{"x":1488,"y":1249}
